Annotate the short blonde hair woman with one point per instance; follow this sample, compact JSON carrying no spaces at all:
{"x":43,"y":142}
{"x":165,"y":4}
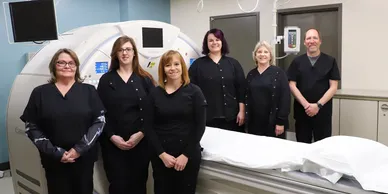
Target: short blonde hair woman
{"x":269,"y":49}
{"x":268,"y":95}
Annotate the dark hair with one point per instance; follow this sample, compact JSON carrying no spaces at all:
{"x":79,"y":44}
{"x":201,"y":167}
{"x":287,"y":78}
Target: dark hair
{"x":220,"y":35}
{"x":166,"y":59}
{"x":115,"y":64}
{"x":319,"y":34}
{"x":53,"y":63}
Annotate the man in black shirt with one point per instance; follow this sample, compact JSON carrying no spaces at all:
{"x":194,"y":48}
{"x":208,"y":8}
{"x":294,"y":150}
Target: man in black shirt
{"x":313,"y":79}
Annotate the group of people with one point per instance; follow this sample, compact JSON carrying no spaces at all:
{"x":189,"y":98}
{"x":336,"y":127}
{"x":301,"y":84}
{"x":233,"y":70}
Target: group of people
{"x":138,"y":120}
{"x":260,"y":103}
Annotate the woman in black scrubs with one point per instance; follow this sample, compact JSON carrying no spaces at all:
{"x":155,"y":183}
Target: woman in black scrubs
{"x":268,"y":96}
{"x":123,"y":91}
{"x":64,"y":119}
{"x":222,"y":81}
{"x":176,"y":123}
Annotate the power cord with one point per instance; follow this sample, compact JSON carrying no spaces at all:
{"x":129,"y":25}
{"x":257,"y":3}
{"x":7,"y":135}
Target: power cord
{"x":36,"y":42}
{"x":281,"y":4}
{"x":287,"y":54}
{"x":200,"y":6}
{"x":200,"y":3}
{"x":239,"y":5}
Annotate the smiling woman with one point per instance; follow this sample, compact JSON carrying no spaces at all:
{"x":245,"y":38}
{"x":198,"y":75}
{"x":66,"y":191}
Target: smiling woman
{"x":64,"y":66}
{"x":173,"y":69}
{"x":64,"y":119}
{"x":123,"y":91}
{"x":175,"y":125}
{"x":268,"y":95}
{"x":221,"y":79}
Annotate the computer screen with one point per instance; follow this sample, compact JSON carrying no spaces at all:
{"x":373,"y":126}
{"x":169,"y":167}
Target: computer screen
{"x":152,"y":37}
{"x":33,"y":21}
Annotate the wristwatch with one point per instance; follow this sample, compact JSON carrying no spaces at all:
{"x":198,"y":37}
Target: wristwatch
{"x":319,"y":105}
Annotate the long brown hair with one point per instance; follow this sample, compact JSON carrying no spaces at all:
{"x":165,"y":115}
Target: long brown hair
{"x":53,"y":65}
{"x":167,"y":58}
{"x":115,"y":64}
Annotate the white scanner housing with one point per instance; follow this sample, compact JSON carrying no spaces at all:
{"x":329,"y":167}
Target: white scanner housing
{"x":93,"y":45}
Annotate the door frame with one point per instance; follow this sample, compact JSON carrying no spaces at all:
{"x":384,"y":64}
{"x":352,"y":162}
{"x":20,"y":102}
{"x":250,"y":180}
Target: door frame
{"x":315,"y":9}
{"x":257,"y":14}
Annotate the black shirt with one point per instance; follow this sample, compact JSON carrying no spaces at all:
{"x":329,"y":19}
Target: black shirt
{"x":313,"y":81}
{"x":57,"y":123}
{"x":178,"y":117}
{"x":124,"y":103}
{"x":222,"y":83}
{"x":260,"y":88}
{"x":268,"y":100}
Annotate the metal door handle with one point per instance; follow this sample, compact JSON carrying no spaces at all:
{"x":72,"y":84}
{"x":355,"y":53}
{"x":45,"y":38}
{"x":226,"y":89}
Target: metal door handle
{"x":384,"y":108}
{"x":20,"y":131}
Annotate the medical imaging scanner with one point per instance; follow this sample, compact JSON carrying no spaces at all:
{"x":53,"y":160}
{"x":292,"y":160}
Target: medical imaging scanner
{"x":93,"y":45}
{"x":224,"y":170}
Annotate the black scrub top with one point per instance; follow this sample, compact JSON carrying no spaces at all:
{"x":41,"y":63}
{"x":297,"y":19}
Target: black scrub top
{"x":268,"y":100}
{"x":176,"y":121}
{"x":64,"y":120}
{"x":222,"y":83}
{"x":261,"y":93}
{"x":124,"y":102}
{"x":313,"y":82}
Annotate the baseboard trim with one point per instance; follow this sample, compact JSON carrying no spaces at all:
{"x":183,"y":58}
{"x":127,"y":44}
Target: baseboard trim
{"x":4,"y":166}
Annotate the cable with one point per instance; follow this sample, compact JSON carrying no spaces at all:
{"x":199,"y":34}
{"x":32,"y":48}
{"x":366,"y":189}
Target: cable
{"x":36,"y":42}
{"x":281,"y":4}
{"x":56,"y":2}
{"x":5,"y":20}
{"x":239,"y":5}
{"x":283,"y":56}
{"x":200,"y":3}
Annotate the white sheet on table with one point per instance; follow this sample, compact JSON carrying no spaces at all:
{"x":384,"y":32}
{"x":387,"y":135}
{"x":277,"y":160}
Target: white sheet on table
{"x":251,"y":151}
{"x":364,"y":159}
{"x":330,"y":158}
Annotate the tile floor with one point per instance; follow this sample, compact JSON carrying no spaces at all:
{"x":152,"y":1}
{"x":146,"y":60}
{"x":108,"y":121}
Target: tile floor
{"x":6,"y":186}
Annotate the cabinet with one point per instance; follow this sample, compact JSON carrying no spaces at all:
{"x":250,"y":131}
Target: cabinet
{"x":362,"y":114}
{"x":358,"y":118}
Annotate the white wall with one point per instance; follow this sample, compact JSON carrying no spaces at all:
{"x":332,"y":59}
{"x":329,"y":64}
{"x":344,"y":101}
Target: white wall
{"x":364,"y":25}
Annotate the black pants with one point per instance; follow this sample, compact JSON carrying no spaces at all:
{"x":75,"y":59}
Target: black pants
{"x":126,"y":171}
{"x":265,"y":130}
{"x":74,"y":178}
{"x":225,"y":124}
{"x":170,"y":181}
{"x":307,"y":128}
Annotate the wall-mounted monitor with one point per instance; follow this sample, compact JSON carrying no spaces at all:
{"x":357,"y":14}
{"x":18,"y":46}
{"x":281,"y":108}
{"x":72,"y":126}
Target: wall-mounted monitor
{"x":152,"y":37}
{"x":33,"y":20}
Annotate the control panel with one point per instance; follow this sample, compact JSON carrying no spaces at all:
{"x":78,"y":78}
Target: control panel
{"x":292,"y":39}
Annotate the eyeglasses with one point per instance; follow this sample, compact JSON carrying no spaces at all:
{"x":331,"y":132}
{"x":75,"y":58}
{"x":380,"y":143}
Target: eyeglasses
{"x":64,"y":63}
{"x":125,"y":49}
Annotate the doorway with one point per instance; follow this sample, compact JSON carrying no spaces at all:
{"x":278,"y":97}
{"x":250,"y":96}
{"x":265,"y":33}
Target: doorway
{"x":242,"y":32}
{"x":327,"y":19}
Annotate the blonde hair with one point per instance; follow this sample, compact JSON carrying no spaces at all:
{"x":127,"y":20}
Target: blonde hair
{"x":267,"y":46}
{"x":167,"y":58}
